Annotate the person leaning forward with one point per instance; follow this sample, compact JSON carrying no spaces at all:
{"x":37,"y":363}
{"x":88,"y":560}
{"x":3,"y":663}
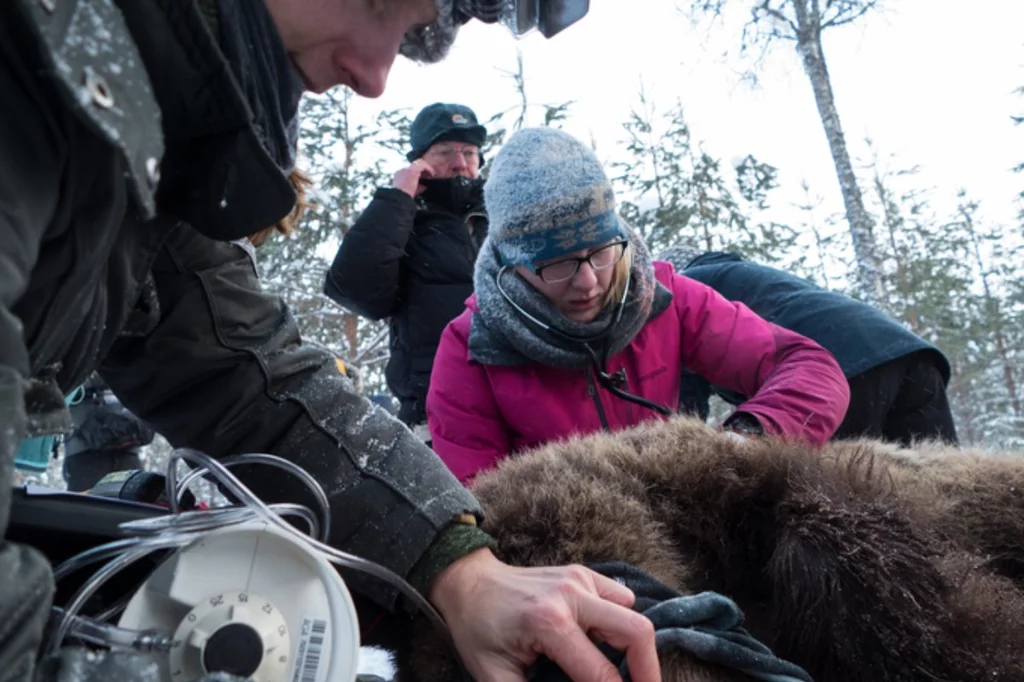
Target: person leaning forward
{"x":897,"y":379}
{"x":573,"y":329}
{"x":140,"y":142}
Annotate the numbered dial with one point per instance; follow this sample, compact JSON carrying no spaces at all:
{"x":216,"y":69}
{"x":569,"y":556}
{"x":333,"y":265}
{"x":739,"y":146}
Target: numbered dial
{"x":238,"y":633}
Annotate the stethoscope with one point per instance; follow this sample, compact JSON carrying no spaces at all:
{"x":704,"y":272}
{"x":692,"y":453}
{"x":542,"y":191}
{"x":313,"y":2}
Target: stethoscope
{"x":612,"y":382}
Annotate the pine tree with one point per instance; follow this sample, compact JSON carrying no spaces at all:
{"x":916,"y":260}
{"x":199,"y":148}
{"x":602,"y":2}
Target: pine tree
{"x":802,"y":22}
{"x":770,"y":242}
{"x":1019,"y":119}
{"x":673,"y":191}
{"x":928,"y":279}
{"x":925,"y":264}
{"x":999,"y":321}
{"x":1019,"y":168}
{"x":346,"y":162}
{"x":553,"y":114}
{"x":820,"y":260}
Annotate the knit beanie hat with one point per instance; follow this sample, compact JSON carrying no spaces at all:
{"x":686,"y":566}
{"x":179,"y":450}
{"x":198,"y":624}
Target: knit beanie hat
{"x":547,"y":196}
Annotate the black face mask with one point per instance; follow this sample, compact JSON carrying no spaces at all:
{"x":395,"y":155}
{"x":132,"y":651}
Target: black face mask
{"x":458,"y":195}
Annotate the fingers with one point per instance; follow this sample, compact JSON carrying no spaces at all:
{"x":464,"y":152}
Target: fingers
{"x":405,"y":182}
{"x":421,"y":170}
{"x":503,"y":617}
{"x":426,"y":170}
{"x":642,"y":660}
{"x":625,"y":630}
{"x":579,"y":658}
{"x":612,"y":590}
{"x":408,"y":179}
{"x":602,"y":614}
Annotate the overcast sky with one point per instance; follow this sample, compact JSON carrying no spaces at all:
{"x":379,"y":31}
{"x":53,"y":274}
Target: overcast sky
{"x":928,"y":80}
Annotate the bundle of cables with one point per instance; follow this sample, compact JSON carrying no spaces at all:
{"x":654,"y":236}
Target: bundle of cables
{"x":278,"y":613}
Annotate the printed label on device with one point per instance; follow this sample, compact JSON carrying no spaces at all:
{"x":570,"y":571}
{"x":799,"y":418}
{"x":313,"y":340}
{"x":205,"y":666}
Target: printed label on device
{"x":310,"y":650}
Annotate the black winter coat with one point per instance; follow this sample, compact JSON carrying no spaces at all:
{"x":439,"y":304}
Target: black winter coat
{"x":100,"y":266}
{"x":411,"y":261}
{"x":860,"y":336}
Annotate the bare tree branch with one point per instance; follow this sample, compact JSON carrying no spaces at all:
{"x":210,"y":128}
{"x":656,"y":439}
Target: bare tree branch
{"x":372,"y":345}
{"x":802,"y":22}
{"x":711,"y":8}
{"x":847,"y":11}
{"x":374,"y":361}
{"x":766,"y":9}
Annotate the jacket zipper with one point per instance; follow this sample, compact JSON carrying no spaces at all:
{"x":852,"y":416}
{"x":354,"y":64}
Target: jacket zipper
{"x":592,"y":390}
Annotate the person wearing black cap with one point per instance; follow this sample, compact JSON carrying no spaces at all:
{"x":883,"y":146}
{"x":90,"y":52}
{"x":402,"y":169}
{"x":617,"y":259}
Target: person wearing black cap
{"x":410,"y":255}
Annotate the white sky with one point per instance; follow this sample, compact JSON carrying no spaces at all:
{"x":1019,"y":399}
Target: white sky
{"x":930,"y":81}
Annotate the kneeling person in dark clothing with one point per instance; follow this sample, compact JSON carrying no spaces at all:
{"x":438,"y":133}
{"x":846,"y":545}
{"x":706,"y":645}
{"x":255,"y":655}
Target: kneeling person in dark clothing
{"x":410,"y":255}
{"x":897,"y":379}
{"x":107,"y":437}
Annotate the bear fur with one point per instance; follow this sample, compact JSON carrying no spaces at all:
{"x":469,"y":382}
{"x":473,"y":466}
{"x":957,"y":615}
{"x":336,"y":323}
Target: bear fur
{"x":858,"y":561}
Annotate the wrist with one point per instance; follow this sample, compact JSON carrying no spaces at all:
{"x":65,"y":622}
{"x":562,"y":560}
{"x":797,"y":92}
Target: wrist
{"x":453,"y":544}
{"x":457,"y":579}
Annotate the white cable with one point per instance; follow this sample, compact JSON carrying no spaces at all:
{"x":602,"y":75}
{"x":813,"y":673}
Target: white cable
{"x":179,"y":529}
{"x":251,"y":501}
{"x":175,"y":494}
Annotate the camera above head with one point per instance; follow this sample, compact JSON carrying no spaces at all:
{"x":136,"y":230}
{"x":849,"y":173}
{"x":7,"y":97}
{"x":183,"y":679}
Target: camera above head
{"x":550,"y":17}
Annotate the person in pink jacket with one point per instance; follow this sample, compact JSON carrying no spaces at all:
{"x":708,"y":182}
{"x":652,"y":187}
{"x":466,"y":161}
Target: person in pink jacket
{"x":574,"y":329}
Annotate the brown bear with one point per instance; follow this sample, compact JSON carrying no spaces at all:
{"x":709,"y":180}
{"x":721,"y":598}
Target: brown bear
{"x":857,"y":561}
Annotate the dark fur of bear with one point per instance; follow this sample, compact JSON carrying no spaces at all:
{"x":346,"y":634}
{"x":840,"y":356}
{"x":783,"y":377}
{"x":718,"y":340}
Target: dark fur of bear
{"x":859,"y":561}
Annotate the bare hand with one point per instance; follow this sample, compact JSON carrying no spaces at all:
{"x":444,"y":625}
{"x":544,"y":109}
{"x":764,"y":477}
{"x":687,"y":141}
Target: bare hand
{"x":503,"y":617}
{"x":408,"y":179}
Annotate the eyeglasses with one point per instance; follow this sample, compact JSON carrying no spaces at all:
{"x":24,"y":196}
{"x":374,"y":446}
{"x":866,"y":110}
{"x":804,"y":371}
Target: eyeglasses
{"x":448,"y":154}
{"x":601,"y":259}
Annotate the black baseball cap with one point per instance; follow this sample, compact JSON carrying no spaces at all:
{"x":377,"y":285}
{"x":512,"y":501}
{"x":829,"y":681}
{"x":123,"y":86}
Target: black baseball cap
{"x":442,"y":122}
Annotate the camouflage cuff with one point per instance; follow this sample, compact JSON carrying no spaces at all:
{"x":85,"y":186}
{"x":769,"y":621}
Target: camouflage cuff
{"x":454,"y":542}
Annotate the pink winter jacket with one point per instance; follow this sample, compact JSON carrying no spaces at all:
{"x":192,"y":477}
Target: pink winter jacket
{"x":479,"y":414}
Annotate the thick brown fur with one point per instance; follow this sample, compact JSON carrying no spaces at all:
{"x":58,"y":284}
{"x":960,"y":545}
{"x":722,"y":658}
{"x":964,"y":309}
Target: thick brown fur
{"x":858,"y":561}
{"x":976,"y":499}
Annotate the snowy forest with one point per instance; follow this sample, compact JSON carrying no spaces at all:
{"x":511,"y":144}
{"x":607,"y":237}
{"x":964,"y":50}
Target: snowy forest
{"x":951,"y":276}
{"x":928,"y":255}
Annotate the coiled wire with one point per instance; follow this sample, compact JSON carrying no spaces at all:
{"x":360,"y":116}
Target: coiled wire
{"x":180,"y":528}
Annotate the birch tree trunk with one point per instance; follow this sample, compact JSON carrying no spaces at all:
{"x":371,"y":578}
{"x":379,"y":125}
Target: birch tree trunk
{"x":808,"y":45}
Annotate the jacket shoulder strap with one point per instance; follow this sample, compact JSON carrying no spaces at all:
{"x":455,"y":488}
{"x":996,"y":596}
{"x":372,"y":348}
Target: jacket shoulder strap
{"x":88,"y":48}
